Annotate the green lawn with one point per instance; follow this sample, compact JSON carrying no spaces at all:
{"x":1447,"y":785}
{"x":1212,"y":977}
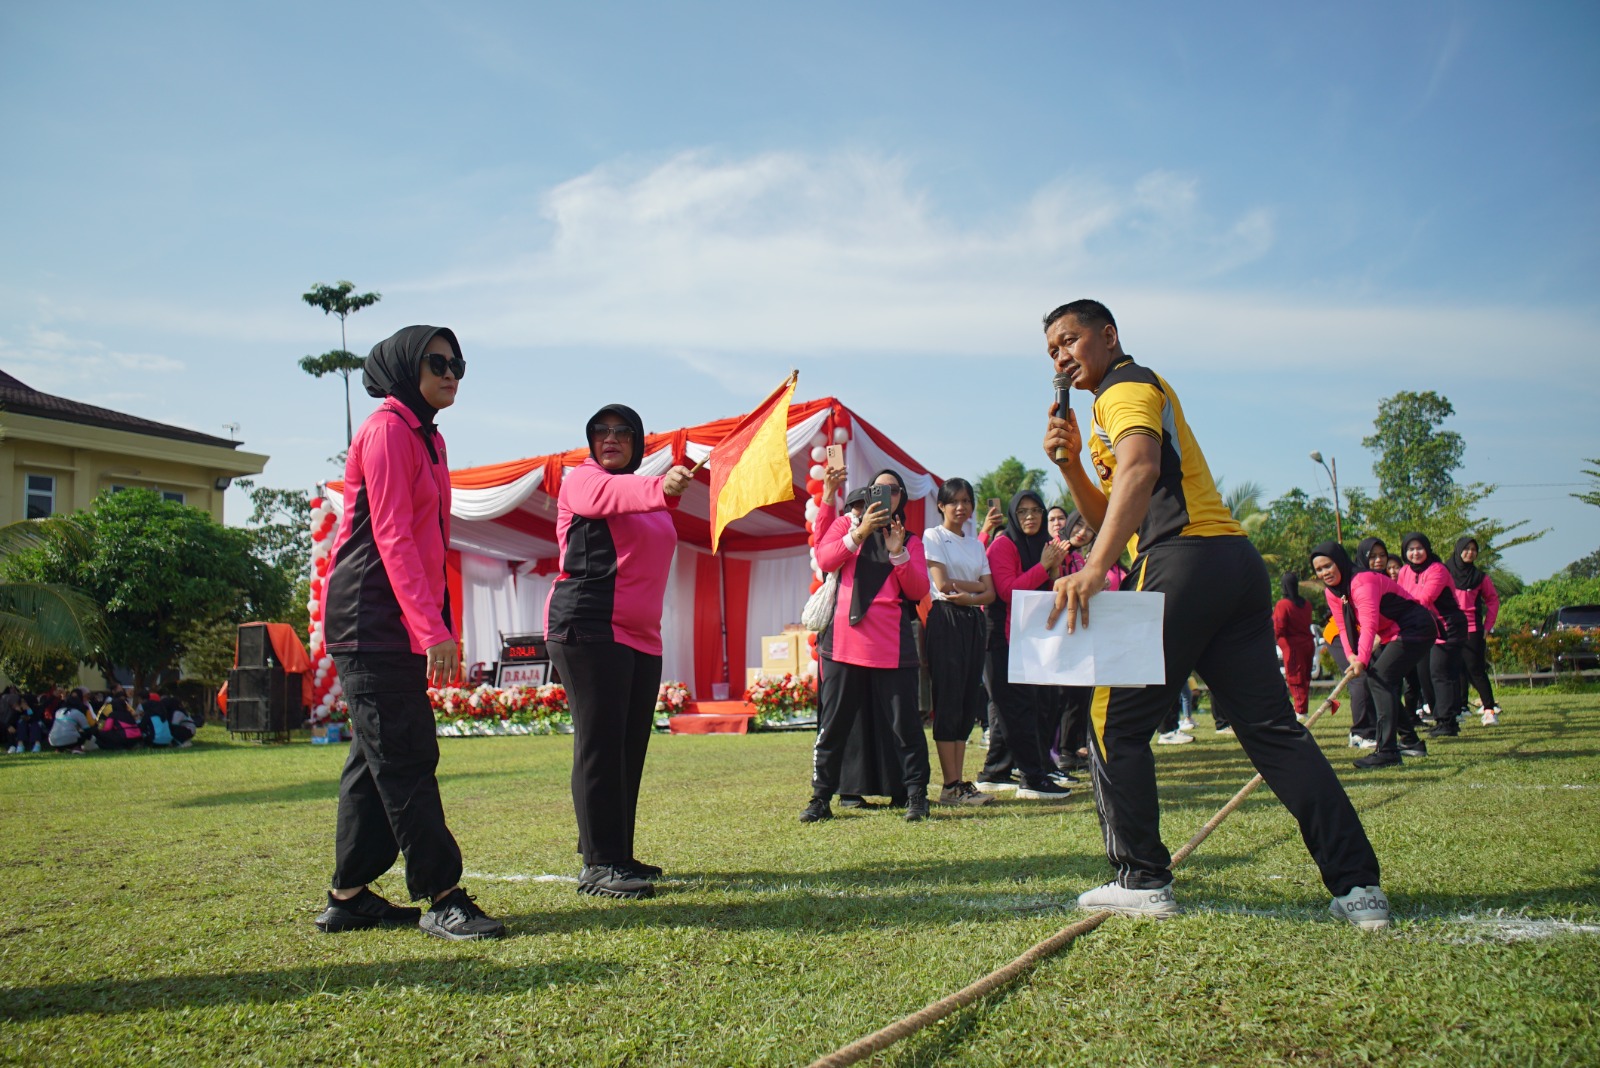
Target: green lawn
{"x":160,"y":910}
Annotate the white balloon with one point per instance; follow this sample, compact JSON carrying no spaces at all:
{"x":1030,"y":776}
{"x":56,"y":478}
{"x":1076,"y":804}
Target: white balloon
{"x":819,"y":438}
{"x":840,"y":435}
{"x":815,"y":471}
{"x":818,"y":453}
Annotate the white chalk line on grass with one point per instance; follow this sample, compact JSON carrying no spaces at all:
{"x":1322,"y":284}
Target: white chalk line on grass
{"x":517,"y":878}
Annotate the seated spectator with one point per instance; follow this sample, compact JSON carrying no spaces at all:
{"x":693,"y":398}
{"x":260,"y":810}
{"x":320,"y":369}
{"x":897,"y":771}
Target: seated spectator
{"x":153,"y":723}
{"x":24,"y":726}
{"x":183,"y":725}
{"x":119,"y":726}
{"x":71,"y":726}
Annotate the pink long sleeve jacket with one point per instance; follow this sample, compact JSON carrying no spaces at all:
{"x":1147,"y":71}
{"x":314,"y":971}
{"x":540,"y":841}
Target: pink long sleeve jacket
{"x":879,"y":640}
{"x":1384,"y":612}
{"x":387,"y":590}
{"x":615,"y":539}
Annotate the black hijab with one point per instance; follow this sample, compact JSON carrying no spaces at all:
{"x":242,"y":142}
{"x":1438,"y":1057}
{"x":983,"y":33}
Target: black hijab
{"x":394,"y":368}
{"x":1291,"y":589}
{"x":629,"y":416}
{"x":872,"y":562}
{"x":1364,"y":553}
{"x":1467,"y":576}
{"x":1405,"y":543}
{"x":1347,"y":570}
{"x":1029,"y":546}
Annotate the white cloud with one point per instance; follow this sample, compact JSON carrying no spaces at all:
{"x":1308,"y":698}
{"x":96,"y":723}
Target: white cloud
{"x":55,"y":362}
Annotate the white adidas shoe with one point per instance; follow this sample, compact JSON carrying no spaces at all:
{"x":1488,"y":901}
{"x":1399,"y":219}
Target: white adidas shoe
{"x":1365,"y":906}
{"x":1158,"y":904}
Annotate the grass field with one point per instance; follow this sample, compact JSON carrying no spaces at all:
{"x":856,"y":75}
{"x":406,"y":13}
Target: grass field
{"x":159,"y":911}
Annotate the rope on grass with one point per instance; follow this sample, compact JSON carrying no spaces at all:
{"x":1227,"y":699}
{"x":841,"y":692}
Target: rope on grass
{"x":906,"y":1026}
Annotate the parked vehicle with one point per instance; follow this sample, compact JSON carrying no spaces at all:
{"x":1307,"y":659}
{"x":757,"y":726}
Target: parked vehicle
{"x":1584,"y":619}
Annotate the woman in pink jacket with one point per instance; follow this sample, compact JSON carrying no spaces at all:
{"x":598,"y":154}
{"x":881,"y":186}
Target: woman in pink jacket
{"x":1384,"y":633}
{"x":1476,"y":595}
{"x":390,"y":631}
{"x":615,"y":539}
{"x":1427,"y":580}
{"x":871,"y":653}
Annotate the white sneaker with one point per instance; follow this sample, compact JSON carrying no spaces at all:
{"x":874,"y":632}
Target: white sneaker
{"x":1368,"y":743}
{"x":37,"y":748}
{"x":994,"y":787}
{"x":1186,"y":723}
{"x":1226,"y":731}
{"x":1491,"y":717}
{"x":984,"y":741}
{"x":1156,"y":904}
{"x":1365,"y":906}
{"x":1042,"y":791}
{"x":1300,"y":718}
{"x":1355,"y":740}
{"x":1175,"y":738}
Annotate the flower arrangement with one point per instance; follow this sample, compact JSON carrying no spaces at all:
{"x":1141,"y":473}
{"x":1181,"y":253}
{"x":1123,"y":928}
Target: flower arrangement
{"x":782,"y":699}
{"x":490,"y":710}
{"x":671,"y":699}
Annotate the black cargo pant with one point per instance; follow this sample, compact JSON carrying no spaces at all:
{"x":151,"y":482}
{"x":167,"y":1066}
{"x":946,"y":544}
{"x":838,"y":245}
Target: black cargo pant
{"x":1217,"y":620}
{"x":612,"y":690}
{"x":388,"y":795}
{"x":1475,"y":658}
{"x":1386,"y":675}
{"x":849,"y":692}
{"x":1020,"y":718}
{"x":1363,"y":721}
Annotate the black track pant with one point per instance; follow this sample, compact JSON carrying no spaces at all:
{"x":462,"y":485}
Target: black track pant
{"x":997,"y":758}
{"x":611,"y":689}
{"x":1217,"y":621}
{"x":1019,"y":716}
{"x":1362,"y":720}
{"x":850,"y":691}
{"x":388,"y":795}
{"x":955,"y":662}
{"x":1443,"y":666}
{"x":1475,"y":658}
{"x":1386,"y":675}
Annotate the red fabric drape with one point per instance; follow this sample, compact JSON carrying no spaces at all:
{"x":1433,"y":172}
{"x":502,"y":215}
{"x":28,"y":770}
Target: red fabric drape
{"x":736,"y":613}
{"x":452,"y":578}
{"x":707,"y":624}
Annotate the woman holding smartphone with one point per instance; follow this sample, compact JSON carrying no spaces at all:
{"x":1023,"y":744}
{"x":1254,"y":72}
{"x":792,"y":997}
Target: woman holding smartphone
{"x":615,"y":540}
{"x":872,"y":654}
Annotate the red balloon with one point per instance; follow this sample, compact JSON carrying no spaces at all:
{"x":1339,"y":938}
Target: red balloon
{"x":322,"y":565}
{"x":811,"y":638}
{"x":816,"y":584}
{"x":317,"y":502}
{"x":813,"y":486}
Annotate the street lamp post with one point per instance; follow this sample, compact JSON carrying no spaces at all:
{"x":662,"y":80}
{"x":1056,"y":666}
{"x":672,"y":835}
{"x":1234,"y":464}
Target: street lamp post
{"x":1333,"y":480}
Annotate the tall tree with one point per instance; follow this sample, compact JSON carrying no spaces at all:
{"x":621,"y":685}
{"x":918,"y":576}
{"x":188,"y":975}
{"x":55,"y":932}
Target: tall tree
{"x":1416,"y":461}
{"x":339,"y":299}
{"x":280,"y":522}
{"x":157,"y":568}
{"x":1004,"y":481}
{"x":45,"y":627}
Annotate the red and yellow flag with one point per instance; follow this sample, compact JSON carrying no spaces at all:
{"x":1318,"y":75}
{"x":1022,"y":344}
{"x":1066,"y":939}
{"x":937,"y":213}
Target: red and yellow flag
{"x":750,"y":467}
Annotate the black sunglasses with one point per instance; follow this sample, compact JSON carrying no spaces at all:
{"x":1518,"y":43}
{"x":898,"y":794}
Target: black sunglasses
{"x":456,"y":365}
{"x":603,"y":431}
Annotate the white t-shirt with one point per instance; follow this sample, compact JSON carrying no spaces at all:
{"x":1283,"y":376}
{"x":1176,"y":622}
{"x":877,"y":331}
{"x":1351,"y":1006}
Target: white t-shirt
{"x":962,"y":556}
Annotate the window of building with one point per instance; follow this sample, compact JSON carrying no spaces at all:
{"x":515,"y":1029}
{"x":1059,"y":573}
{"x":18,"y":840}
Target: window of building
{"x":41,"y":496}
{"x":172,"y":495}
{"x":116,"y":488}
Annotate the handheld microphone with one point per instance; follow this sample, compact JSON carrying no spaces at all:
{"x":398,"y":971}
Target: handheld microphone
{"x":1063,"y":384}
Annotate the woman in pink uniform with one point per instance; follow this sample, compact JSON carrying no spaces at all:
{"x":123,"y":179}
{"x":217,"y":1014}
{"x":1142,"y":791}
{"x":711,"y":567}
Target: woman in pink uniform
{"x":615,"y":539}
{"x":1476,"y":595}
{"x":1428,"y":582}
{"x":871,"y":653}
{"x":1384,"y":633}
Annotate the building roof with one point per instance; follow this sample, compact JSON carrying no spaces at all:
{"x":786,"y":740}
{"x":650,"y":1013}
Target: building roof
{"x":22,"y":399}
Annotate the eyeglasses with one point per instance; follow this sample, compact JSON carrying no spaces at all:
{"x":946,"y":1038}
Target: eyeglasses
{"x":1029,"y":513}
{"x":456,"y":365}
{"x":610,"y":432}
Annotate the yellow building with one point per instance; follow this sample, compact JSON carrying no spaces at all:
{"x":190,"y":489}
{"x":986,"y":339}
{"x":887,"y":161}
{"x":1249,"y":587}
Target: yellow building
{"x":57,"y":455}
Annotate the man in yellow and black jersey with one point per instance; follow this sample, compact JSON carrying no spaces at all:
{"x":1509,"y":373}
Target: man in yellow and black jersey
{"x":1160,"y":500}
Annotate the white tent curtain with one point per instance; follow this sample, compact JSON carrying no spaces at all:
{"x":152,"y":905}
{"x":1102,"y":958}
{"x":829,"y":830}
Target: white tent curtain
{"x":779,"y":589}
{"x":532,"y":593}
{"x":495,"y":501}
{"x":488,"y":607}
{"x":677,"y":615}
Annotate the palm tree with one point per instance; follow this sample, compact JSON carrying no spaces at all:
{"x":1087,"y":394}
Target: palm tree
{"x":1244,"y":503}
{"x":39,"y":619}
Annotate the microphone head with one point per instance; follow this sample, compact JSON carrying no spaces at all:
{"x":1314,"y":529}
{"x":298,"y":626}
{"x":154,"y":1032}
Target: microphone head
{"x":1062,"y":380}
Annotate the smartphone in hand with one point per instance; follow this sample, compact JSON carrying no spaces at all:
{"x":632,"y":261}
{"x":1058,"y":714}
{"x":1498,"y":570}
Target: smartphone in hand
{"x":835,"y":458}
{"x":883,"y":495}
{"x":994,"y":504}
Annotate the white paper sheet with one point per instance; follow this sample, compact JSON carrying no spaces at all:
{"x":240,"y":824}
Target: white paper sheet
{"x":1120,"y":647}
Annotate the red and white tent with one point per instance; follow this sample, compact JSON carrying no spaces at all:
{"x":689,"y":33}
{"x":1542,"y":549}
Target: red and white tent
{"x":503,"y":543}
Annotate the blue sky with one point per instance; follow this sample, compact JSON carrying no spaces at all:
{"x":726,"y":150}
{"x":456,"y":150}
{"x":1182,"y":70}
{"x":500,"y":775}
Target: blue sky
{"x":1293,"y":213}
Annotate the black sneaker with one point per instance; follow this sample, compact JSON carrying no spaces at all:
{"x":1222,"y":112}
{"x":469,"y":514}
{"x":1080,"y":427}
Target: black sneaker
{"x":856,"y":801}
{"x":1378,"y":759}
{"x":916,"y":804}
{"x":1416,"y":747}
{"x":645,"y":871}
{"x":613,"y":880}
{"x":1042,"y":789}
{"x":1446,"y":729}
{"x":456,"y":917}
{"x":366,"y":909}
{"x":817,"y":811}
